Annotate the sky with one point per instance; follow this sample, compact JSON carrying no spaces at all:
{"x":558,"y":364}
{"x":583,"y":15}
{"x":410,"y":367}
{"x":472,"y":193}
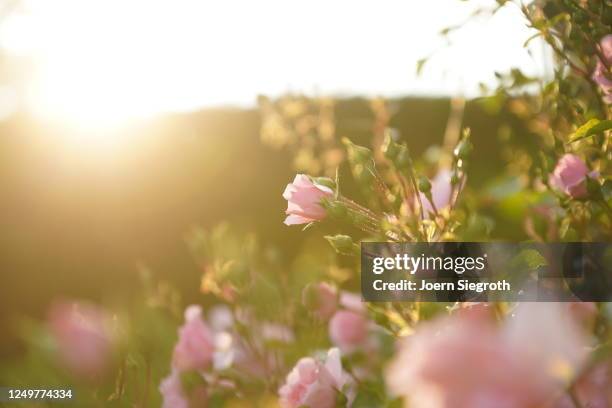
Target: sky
{"x":104,"y":60}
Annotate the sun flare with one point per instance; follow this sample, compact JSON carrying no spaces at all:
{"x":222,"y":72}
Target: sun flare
{"x":99,"y":64}
{"x":95,"y":67}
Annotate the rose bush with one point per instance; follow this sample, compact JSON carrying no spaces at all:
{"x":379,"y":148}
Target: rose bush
{"x":292,"y":331}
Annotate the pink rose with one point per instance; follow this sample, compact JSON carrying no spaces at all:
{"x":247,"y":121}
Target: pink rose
{"x":570,"y":175}
{"x":348,"y":330}
{"x":321,"y":299}
{"x":304,"y":200}
{"x":465,"y":361}
{"x":195,"y":347}
{"x":548,"y":339}
{"x":174,"y":396}
{"x":602,"y":75}
{"x":83,"y":336}
{"x":441,"y":189}
{"x":313,"y":383}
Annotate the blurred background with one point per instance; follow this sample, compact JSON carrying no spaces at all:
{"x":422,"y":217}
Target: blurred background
{"x":125,"y":123}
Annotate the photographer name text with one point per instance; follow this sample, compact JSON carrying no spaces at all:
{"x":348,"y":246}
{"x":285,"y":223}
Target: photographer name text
{"x":463,"y":284}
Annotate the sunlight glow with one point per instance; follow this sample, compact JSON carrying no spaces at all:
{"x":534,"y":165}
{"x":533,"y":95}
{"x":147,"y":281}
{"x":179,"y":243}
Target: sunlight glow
{"x":101,"y":63}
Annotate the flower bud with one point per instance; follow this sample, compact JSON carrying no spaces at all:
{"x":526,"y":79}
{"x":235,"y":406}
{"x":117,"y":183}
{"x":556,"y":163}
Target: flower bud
{"x":342,"y":244}
{"x":463,"y":149}
{"x":424,"y":185}
{"x":356,"y":153}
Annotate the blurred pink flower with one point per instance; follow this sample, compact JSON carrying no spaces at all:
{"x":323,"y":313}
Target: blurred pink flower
{"x":464,"y":361}
{"x":171,"y":389}
{"x":304,"y":200}
{"x":606,"y":47}
{"x":83,"y":336}
{"x":570,"y":175}
{"x":440,"y":192}
{"x":602,"y":75}
{"x":172,"y":393}
{"x":195,"y":347}
{"x":321,"y":299}
{"x":313,"y":383}
{"x":348,"y":330}
{"x":220,"y":318}
{"x":547,"y":338}
{"x":270,"y":331}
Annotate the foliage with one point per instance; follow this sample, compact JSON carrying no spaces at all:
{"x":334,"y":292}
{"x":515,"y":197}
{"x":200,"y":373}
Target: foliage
{"x":266,"y":313}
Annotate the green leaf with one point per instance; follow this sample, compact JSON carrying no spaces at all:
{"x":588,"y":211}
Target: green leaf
{"x":592,"y":127}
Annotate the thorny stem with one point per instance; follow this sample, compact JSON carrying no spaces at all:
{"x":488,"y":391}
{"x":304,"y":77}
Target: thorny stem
{"x":359,"y":208}
{"x":367,"y":225}
{"x":368,"y":215}
{"x":367,"y":229}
